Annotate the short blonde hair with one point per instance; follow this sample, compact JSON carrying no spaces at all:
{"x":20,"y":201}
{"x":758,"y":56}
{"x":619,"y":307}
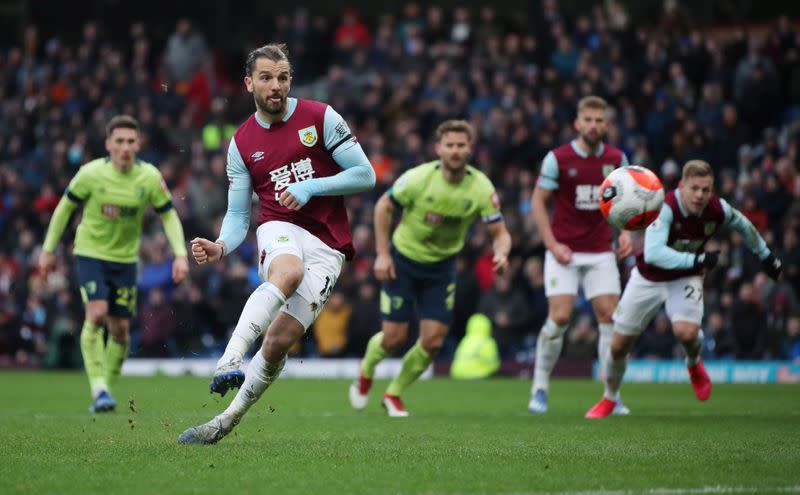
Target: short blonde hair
{"x":454,"y":125}
{"x":593,"y":102}
{"x":697,"y":168}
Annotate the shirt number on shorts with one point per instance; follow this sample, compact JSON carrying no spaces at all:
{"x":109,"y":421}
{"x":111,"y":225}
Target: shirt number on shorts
{"x":692,"y":293}
{"x":126,"y":297}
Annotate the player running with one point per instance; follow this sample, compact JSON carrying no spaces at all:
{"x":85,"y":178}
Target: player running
{"x":300,"y":158}
{"x":439,"y":200}
{"x":114,"y":192}
{"x":670,"y":269}
{"x":578,"y":241}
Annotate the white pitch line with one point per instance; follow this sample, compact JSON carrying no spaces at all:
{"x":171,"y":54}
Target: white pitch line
{"x":705,"y":490}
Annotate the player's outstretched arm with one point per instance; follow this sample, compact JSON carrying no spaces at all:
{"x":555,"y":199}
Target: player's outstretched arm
{"x":174,"y":231}
{"x":501,"y":245}
{"x":734,"y":219}
{"x":58,"y":222}
{"x":240,"y":194}
{"x":658,"y":253}
{"x":356,"y":176}
{"x":384,"y":265}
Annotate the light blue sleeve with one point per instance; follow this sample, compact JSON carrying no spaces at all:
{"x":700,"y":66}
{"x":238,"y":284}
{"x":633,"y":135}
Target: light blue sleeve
{"x":656,"y":251}
{"x":240,"y":193}
{"x":738,"y":222}
{"x":548,"y":175}
{"x":357,"y":174}
{"x":624,"y":161}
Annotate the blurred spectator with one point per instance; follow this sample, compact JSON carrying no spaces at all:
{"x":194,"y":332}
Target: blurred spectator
{"x":330,"y":327}
{"x":466,"y":298}
{"x":507,"y":308}
{"x":476,"y":355}
{"x":793,"y":333}
{"x":157,"y":323}
{"x":657,"y":342}
{"x":719,"y":341}
{"x":581,"y":340}
{"x":757,"y":216}
{"x":365,"y":319}
{"x":351,"y":33}
{"x":186,"y":51}
{"x":746,"y":322}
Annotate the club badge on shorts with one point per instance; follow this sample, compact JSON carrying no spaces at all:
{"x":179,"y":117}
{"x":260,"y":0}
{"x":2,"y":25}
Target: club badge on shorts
{"x":308,"y":136}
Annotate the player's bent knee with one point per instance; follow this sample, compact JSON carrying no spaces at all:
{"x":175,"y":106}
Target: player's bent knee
{"x":97,"y":316}
{"x":686,"y":332}
{"x":276,"y":346}
{"x":286,"y":273}
{"x":96,"y":311}
{"x":433,"y":345}
{"x":560,"y":319}
{"x":394,"y":339}
{"x":619,"y":350}
{"x":119,"y":330}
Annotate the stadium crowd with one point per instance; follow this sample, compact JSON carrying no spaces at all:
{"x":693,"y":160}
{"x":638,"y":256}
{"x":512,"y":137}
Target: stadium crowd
{"x":679,"y":91}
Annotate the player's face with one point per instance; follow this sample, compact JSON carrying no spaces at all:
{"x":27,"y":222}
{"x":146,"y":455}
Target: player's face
{"x":696,"y":193}
{"x":270,"y":85}
{"x":591,"y":124}
{"x":454,"y":150}
{"x":122,"y":146}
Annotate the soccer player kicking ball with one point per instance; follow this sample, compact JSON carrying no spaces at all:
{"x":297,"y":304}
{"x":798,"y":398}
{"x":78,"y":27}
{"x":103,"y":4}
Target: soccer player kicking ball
{"x":300,"y":158}
{"x":440,"y":200}
{"x":670,"y":269}
{"x":114,"y":192}
{"x":578,"y":240}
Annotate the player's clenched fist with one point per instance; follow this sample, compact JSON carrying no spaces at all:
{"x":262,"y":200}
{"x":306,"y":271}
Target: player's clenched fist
{"x":205,"y":251}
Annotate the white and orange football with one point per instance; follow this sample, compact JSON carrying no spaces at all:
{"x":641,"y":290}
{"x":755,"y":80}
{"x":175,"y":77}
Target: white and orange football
{"x":631,"y":197}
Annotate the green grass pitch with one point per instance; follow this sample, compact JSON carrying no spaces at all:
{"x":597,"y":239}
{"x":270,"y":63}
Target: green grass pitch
{"x":462,"y":437}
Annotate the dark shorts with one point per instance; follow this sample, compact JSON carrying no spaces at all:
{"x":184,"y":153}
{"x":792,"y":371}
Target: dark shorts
{"x":108,"y":281}
{"x":432,"y":286}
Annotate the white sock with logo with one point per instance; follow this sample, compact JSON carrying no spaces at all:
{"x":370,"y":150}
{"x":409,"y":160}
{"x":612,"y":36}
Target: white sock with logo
{"x":548,"y":349}
{"x":261,"y":308}
{"x":260,"y":375}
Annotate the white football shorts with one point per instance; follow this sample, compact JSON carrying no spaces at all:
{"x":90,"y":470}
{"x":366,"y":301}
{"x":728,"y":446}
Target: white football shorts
{"x":643,"y":298}
{"x":323,"y":265}
{"x":596,"y":272}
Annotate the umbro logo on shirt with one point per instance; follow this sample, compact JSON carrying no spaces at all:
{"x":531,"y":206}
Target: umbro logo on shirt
{"x":258,"y":155}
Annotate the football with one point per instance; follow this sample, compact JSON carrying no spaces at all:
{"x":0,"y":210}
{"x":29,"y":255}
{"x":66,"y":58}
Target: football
{"x":631,"y":197}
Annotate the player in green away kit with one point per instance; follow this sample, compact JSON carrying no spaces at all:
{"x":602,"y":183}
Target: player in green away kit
{"x":114,"y":192}
{"x":440,"y":200}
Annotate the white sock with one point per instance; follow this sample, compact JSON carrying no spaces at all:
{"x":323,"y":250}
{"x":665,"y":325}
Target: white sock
{"x":548,"y":348}
{"x":693,"y":350}
{"x":259,"y":376}
{"x":260,"y":309}
{"x":606,"y":333}
{"x":615,"y":370}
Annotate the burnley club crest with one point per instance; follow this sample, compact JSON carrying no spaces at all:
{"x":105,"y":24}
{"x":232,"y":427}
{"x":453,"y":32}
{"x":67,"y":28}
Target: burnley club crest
{"x":308,"y":136}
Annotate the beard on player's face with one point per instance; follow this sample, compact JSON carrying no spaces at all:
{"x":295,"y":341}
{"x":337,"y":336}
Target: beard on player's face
{"x":454,"y":163}
{"x":593,"y":139}
{"x":269,"y":106}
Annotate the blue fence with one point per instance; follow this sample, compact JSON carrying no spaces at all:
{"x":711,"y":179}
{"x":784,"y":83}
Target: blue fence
{"x":640,"y":371}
